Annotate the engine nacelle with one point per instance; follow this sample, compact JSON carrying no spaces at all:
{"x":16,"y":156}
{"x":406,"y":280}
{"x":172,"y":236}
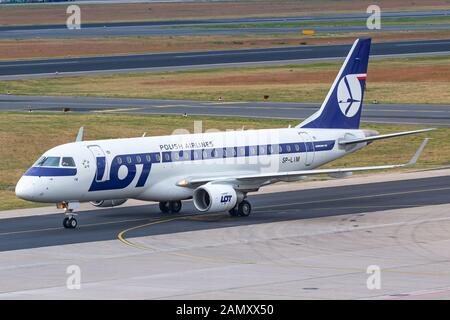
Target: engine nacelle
{"x":108,"y":203}
{"x":214,"y":198}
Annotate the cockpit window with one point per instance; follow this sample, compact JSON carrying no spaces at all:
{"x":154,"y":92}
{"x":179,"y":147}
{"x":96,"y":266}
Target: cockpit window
{"x":67,"y":162}
{"x":48,"y":162}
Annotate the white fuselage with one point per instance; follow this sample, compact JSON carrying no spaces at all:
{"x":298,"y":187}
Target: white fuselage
{"x":150,"y":168}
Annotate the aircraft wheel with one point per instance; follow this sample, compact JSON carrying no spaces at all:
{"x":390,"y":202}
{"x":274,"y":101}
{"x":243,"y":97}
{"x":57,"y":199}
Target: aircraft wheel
{"x":244,"y":208}
{"x":70,"y":223}
{"x":164,"y":206}
{"x":174,"y":206}
{"x":234,"y":212}
{"x":65,"y":222}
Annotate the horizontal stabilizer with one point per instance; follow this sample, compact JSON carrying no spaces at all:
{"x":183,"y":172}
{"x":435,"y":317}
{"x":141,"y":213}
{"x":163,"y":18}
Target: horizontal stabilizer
{"x":383,"y":136}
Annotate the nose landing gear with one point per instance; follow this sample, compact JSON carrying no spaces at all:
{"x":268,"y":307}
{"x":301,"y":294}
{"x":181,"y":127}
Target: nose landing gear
{"x":69,"y":221}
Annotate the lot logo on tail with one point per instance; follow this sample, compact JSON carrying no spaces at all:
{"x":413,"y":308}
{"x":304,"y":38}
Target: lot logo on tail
{"x":349,"y":94}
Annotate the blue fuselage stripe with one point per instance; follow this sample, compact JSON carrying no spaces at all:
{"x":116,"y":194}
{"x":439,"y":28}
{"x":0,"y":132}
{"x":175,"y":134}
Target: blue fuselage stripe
{"x":50,"y":172}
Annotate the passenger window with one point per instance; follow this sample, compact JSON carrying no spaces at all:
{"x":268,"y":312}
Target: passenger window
{"x":262,"y":150}
{"x":67,"y":162}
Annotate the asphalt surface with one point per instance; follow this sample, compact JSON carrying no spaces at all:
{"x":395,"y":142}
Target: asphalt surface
{"x":433,"y":115}
{"x":200,"y":26}
{"x":210,"y":58}
{"x":106,"y":224}
{"x":134,"y":31}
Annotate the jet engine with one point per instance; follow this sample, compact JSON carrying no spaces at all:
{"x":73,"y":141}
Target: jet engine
{"x":108,"y":203}
{"x":214,"y":198}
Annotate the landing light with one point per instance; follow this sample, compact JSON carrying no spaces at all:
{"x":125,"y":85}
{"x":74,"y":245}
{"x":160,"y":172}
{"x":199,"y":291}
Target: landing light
{"x":183,"y":183}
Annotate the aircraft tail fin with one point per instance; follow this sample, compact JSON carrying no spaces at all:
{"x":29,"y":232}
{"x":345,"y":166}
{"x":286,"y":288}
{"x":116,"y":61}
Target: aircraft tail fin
{"x":343,"y":103}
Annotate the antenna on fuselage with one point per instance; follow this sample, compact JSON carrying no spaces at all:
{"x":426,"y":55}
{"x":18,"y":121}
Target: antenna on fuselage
{"x":80,"y":135}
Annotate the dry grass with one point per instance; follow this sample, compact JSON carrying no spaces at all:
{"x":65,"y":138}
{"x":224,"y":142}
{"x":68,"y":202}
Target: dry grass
{"x":405,"y":80}
{"x":56,"y":14}
{"x":24,"y":137}
{"x":47,"y":48}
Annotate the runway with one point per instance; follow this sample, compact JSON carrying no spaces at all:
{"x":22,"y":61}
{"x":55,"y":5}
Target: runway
{"x":67,"y":66}
{"x":435,"y":115}
{"x":255,"y":25}
{"x":314,"y":242}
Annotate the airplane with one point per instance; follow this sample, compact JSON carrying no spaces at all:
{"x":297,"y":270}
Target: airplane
{"x":216,"y":170}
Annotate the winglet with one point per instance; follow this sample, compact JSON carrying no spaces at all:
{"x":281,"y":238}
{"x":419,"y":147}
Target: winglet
{"x":80,"y":135}
{"x":419,"y":151}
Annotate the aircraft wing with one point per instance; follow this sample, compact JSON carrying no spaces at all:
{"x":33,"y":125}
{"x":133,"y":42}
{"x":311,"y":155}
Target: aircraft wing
{"x":266,"y":178}
{"x":383,"y":136}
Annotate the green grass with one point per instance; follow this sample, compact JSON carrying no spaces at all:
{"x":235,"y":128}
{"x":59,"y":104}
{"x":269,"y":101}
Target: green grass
{"x":25,"y":136}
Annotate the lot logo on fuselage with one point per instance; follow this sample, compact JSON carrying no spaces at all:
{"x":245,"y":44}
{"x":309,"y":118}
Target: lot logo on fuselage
{"x":349,"y":95}
{"x":122,"y":171}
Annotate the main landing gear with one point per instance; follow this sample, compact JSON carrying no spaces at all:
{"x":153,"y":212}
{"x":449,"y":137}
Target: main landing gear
{"x":243,"y":209}
{"x":170,"y":206}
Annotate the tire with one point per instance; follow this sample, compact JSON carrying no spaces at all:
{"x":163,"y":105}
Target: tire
{"x":65,"y":223}
{"x":175,"y":206}
{"x":164,"y":206}
{"x":234,"y":212}
{"x":72,"y":223}
{"x":244,"y":208}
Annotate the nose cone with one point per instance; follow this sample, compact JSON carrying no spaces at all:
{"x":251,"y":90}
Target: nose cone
{"x":25,"y":189}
